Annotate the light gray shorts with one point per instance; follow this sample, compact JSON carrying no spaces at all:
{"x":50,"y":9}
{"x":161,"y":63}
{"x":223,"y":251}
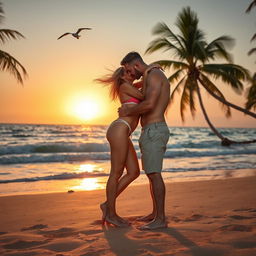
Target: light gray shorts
{"x":153,"y":140}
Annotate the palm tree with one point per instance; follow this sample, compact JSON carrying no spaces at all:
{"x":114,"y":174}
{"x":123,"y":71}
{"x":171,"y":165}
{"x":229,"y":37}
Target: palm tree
{"x":192,"y":69}
{"x":251,"y":96}
{"x":8,"y":62}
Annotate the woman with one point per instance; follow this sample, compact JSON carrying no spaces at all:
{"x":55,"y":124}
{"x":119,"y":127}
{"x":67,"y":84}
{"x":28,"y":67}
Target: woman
{"x":123,"y":154}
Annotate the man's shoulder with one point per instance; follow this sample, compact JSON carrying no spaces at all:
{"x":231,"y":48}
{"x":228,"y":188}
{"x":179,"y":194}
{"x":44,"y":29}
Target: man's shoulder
{"x":157,"y":74}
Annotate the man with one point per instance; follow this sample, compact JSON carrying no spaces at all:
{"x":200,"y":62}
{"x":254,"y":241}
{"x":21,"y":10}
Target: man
{"x":155,"y":133}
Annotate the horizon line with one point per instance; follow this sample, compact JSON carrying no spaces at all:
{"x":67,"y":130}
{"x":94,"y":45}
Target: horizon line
{"x":178,"y":126}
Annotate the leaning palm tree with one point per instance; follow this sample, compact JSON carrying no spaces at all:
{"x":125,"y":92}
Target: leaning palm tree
{"x":193,"y":70}
{"x":8,"y":62}
{"x":251,"y":96}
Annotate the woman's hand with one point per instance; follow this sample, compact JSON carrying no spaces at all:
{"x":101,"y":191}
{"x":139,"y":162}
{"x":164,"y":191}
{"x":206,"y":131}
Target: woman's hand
{"x":138,"y":85}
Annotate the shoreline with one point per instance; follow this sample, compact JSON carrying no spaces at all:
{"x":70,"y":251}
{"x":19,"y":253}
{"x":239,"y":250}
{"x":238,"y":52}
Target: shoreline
{"x":211,"y":217}
{"x":98,"y":183}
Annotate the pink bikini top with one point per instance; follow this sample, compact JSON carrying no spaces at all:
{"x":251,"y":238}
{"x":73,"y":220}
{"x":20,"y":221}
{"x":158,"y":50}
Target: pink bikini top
{"x":132,"y":100}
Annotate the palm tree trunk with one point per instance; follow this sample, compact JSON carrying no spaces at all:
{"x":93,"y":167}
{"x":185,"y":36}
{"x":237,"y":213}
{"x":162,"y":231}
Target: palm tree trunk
{"x":207,"y":118}
{"x":245,"y":111}
{"x":224,"y":141}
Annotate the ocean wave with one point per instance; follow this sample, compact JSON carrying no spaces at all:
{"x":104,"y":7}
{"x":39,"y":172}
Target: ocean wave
{"x":105,"y":155}
{"x":62,"y":176}
{"x":52,"y":158}
{"x":184,"y":172}
{"x":207,"y":153}
{"x":54,"y":148}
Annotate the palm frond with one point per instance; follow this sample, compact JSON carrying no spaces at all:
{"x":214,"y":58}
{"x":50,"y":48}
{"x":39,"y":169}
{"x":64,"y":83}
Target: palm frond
{"x":175,"y":91}
{"x":252,"y":4}
{"x":10,"y":64}
{"x":191,"y":36}
{"x":229,"y":73}
{"x":172,"y":64}
{"x":175,"y":76}
{"x":253,"y":37}
{"x":187,"y":22}
{"x":184,"y":101}
{"x":165,"y":45}
{"x":8,"y":34}
{"x":206,"y":82}
{"x":251,"y":51}
{"x":163,"y":30}
{"x":218,"y":48}
{"x":177,"y":88}
{"x":1,"y":12}
{"x":251,"y":94}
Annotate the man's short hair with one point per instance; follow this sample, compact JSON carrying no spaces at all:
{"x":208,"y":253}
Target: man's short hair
{"x":131,"y":56}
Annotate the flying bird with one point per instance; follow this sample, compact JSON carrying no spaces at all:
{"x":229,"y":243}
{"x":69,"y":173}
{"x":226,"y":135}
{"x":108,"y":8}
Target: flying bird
{"x":76,"y":35}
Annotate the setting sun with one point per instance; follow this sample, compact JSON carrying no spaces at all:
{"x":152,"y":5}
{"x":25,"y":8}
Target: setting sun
{"x":85,"y":108}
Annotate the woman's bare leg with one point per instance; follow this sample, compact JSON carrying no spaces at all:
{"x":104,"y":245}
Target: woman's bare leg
{"x":133,"y":171}
{"x":117,"y":136}
{"x":132,"y":167}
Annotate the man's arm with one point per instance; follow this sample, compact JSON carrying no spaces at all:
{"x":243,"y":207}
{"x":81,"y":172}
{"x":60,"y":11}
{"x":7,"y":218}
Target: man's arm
{"x":152,"y":94}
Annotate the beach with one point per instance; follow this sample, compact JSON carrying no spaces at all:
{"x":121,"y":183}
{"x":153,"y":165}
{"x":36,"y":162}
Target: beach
{"x":57,"y":158}
{"x":211,"y":217}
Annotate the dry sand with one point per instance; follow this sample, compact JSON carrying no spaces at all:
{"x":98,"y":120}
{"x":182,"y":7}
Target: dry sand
{"x":206,"y":218}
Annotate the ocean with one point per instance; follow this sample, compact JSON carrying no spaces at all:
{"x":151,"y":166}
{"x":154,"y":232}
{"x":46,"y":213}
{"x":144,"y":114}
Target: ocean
{"x":54,"y":158}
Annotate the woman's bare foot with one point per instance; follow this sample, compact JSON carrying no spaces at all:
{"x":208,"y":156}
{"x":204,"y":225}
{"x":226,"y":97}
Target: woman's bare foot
{"x":103,"y":208}
{"x":155,"y":224}
{"x":146,"y":218}
{"x":116,"y":222}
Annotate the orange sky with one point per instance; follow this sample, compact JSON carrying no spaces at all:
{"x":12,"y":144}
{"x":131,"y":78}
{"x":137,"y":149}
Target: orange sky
{"x":62,"y":72}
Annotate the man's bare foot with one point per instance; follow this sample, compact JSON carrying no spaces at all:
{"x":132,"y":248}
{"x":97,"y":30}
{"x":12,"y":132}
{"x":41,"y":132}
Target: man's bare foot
{"x":155,"y":224}
{"x":116,"y":222}
{"x":146,"y":218}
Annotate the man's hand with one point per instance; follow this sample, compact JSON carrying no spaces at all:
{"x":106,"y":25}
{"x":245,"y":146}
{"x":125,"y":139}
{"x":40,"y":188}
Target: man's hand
{"x":123,"y":111}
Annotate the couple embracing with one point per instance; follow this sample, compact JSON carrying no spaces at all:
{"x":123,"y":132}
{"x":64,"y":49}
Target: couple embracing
{"x":146,"y":102}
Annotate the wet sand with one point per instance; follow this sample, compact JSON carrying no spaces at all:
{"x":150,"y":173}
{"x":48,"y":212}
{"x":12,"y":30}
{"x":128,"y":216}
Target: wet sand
{"x":212,"y":218}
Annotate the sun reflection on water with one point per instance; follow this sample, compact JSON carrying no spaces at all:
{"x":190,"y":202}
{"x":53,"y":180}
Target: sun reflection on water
{"x":89,"y":184}
{"x":86,"y":167}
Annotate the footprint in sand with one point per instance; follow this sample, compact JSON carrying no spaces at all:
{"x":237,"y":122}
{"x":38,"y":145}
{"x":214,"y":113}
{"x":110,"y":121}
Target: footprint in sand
{"x":245,"y":210}
{"x":63,"y":246}
{"x":175,"y":219}
{"x":219,"y":216}
{"x":194,"y":217}
{"x":91,"y":232}
{"x":59,"y":233}
{"x":240,"y":217}
{"x":35,"y":227}
{"x":21,"y":244}
{"x":244,"y":244}
{"x":236,"y":227}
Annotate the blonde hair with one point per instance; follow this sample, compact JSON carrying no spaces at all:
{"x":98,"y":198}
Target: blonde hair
{"x":113,"y":80}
